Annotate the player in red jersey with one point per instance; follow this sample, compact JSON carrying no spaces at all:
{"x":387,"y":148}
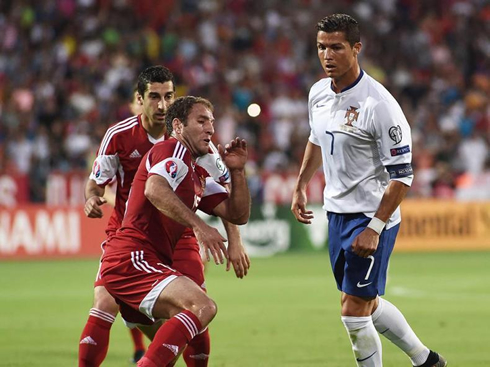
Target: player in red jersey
{"x":119,"y":155}
{"x":167,"y":190}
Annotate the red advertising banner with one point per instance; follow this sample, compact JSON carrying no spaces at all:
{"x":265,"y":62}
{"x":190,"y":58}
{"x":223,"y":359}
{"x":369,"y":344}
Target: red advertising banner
{"x":37,"y":231}
{"x":14,"y":190}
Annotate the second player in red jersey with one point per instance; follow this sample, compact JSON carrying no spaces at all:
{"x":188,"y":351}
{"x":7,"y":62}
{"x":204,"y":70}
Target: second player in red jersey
{"x":168,"y":188}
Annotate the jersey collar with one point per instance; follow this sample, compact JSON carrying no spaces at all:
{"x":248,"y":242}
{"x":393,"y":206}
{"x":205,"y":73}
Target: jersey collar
{"x":151,"y":139}
{"x":361,"y":74}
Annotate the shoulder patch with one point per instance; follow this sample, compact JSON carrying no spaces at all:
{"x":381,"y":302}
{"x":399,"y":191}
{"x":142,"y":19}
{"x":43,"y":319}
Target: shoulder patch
{"x":171,"y":168}
{"x":96,"y":169}
{"x":400,"y":151}
{"x":395,"y":133}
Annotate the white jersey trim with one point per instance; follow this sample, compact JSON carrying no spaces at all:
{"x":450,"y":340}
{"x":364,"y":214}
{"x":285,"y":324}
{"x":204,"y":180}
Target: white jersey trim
{"x":212,"y":188}
{"x":148,"y":303}
{"x":119,"y":127}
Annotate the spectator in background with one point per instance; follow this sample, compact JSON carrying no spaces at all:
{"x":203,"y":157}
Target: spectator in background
{"x":55,"y":59}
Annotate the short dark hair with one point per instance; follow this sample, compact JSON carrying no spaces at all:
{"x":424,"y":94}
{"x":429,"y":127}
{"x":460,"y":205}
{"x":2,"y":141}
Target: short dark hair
{"x":153,"y":74}
{"x":181,"y":108}
{"x":341,"y":23}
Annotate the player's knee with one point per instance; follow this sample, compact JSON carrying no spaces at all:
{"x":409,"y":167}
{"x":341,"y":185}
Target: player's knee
{"x":357,"y":306}
{"x":103,"y":301}
{"x":205,"y":309}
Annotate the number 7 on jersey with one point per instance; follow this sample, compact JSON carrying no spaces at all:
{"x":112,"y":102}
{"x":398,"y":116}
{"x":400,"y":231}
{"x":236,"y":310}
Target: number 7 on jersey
{"x":333,"y":139}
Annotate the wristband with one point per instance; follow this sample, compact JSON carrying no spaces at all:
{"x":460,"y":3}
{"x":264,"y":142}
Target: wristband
{"x":376,"y":225}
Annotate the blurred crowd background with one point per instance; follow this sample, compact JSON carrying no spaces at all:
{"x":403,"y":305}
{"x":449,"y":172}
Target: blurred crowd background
{"x":68,"y":68}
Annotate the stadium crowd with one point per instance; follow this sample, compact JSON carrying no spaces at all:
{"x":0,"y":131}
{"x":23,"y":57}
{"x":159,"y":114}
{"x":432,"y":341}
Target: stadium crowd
{"x":68,"y":67}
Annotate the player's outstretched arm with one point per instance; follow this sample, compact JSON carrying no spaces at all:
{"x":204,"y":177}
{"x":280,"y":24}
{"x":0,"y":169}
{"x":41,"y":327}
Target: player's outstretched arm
{"x":311,"y":162}
{"x":94,"y":199}
{"x":237,"y":256}
{"x":161,"y":195}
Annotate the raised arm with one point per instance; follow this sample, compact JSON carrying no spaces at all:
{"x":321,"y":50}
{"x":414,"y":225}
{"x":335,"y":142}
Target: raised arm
{"x":312,"y":160}
{"x":235,"y":209}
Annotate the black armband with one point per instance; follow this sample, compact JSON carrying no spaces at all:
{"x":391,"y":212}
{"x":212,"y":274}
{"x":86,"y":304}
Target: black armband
{"x":400,"y":170}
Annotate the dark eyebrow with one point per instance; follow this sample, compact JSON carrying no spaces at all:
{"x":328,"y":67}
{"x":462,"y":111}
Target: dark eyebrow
{"x":330,"y":45}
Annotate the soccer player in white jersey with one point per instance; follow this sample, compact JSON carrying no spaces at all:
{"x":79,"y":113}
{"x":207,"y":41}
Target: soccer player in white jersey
{"x":119,"y":155}
{"x":361,"y":135}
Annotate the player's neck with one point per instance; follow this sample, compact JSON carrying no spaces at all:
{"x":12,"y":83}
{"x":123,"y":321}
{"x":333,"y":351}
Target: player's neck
{"x":194,"y":155}
{"x":347,"y":79}
{"x":155,"y":131}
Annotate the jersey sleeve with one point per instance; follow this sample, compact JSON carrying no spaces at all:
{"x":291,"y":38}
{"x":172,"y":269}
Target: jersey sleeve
{"x":312,"y":138}
{"x":214,"y":194}
{"x":106,"y":163}
{"x":393,"y":138}
{"x":214,"y":165}
{"x":160,"y":161}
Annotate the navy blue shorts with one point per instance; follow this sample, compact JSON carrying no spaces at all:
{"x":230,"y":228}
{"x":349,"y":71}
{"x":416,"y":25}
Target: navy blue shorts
{"x":358,"y":276}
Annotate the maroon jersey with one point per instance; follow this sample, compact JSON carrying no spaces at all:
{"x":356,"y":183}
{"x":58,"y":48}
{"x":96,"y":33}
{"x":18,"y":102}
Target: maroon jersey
{"x":144,"y":226}
{"x":119,"y":155}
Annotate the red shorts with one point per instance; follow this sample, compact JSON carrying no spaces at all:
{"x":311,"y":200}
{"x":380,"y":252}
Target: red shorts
{"x":187,"y":260}
{"x":136,"y":279}
{"x":98,"y":281}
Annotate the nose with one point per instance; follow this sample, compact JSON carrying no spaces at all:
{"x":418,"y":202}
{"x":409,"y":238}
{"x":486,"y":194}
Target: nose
{"x":209,"y":128}
{"x":161,"y":104}
{"x":327,"y":54}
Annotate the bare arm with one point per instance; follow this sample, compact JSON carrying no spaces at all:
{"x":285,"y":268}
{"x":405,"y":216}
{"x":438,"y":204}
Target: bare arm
{"x":237,"y":255}
{"x":366,"y":243}
{"x":94,"y":199}
{"x":312,"y":160}
{"x":161,"y":195}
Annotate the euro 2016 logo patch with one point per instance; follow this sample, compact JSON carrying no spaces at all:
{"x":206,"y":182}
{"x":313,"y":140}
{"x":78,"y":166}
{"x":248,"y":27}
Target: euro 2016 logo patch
{"x":96,"y":169}
{"x":396,"y":133}
{"x":171,"y":168}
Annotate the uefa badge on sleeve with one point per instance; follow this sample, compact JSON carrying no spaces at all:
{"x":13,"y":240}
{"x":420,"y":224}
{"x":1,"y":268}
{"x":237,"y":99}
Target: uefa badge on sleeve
{"x":96,"y":169}
{"x":171,"y":168}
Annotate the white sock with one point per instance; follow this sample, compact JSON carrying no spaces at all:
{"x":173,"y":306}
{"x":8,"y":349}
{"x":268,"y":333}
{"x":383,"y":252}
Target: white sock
{"x":390,"y":323}
{"x":365,"y":341}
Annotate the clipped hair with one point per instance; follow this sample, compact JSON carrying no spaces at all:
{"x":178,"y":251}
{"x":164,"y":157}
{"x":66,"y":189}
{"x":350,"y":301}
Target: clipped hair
{"x":153,"y":74}
{"x":341,"y":23}
{"x":181,"y":108}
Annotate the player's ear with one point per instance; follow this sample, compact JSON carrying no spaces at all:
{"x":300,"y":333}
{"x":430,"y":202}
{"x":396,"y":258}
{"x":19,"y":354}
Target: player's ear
{"x":139,"y":99}
{"x":177,"y":126}
{"x":357,"y":48}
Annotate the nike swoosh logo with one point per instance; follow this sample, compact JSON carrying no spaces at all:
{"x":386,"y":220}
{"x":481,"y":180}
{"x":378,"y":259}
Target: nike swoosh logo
{"x":359,"y":285}
{"x":360,"y":360}
{"x":319,"y":105}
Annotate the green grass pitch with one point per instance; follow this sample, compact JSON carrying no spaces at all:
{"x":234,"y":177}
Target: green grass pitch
{"x":285,"y":313}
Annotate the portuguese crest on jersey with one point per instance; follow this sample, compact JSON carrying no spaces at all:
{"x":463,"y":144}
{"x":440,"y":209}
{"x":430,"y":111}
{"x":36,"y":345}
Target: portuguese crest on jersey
{"x":351,"y":115}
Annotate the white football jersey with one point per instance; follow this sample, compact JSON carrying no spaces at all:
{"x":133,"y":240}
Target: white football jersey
{"x":365,"y":142}
{"x":213,"y":163}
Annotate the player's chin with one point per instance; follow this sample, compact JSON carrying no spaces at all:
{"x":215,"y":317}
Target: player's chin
{"x":159,"y":119}
{"x":331,"y":72}
{"x":204,"y":149}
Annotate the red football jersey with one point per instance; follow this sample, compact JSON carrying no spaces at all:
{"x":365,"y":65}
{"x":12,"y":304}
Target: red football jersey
{"x":119,"y":155}
{"x":144,"y":226}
